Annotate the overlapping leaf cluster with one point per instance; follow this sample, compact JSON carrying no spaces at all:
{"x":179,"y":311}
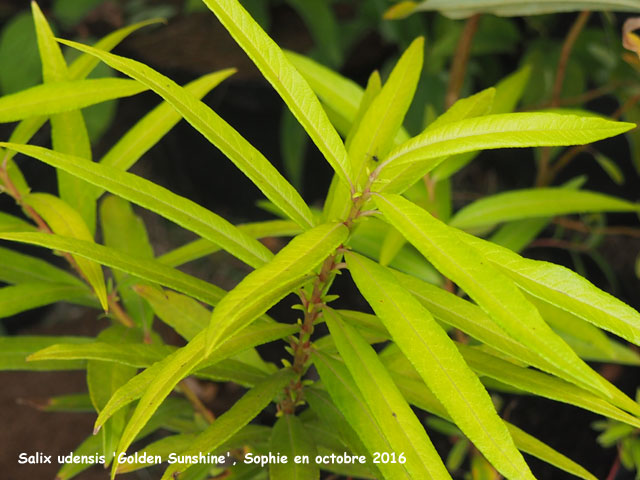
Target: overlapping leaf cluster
{"x":525,"y":325}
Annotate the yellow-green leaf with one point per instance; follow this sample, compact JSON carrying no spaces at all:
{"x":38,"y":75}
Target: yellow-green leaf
{"x":438,"y":362}
{"x":68,"y":131}
{"x":14,"y":351}
{"x":290,"y":437}
{"x":17,"y":267}
{"x":155,"y":124}
{"x":138,"y":190}
{"x":64,"y":96}
{"x":509,"y":130}
{"x":379,"y":125}
{"x":286,"y":80}
{"x":66,"y":222}
{"x":388,"y":406}
{"x":230,"y":422}
{"x":534,"y":203}
{"x":493,"y":291}
{"x":123,"y":230}
{"x":350,"y":401}
{"x":262,"y":288}
{"x":147,"y":269}
{"x":19,"y":298}
{"x":419,"y":395}
{"x":249,"y":160}
{"x":201,"y":247}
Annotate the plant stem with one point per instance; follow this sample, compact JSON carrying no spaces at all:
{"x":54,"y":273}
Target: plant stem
{"x":559,"y":243}
{"x":543,"y":177}
{"x":581,"y":227}
{"x":614,"y":468}
{"x":460,"y":59}
{"x":567,"y":47}
{"x":197,"y":404}
{"x":315,"y":303}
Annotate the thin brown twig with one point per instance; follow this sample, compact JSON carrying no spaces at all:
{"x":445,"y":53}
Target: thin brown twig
{"x":567,"y":47}
{"x":583,"y":228}
{"x":195,"y":401}
{"x":542,"y":177}
{"x":559,"y":243}
{"x":614,"y":468}
{"x":460,"y":59}
{"x":582,"y":98}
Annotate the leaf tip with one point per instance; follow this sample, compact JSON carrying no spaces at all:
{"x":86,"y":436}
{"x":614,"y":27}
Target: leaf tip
{"x":400,"y":10}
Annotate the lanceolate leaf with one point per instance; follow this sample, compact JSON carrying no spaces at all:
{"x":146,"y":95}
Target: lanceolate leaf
{"x":438,"y":362}
{"x":385,"y":115}
{"x":57,"y":97}
{"x":387,"y":404}
{"x":379,"y":125}
{"x":16,"y":299}
{"x":470,"y":319}
{"x":347,"y":397}
{"x":66,"y":222}
{"x":146,"y":269}
{"x":85,"y":63}
{"x":15,"y":350}
{"x":138,"y":190}
{"x":123,"y":230}
{"x":494,"y":131}
{"x":201,"y":248}
{"x":470,"y":107}
{"x":184,"y":314}
{"x":374,"y":85}
{"x":242,"y":412}
{"x":249,"y":160}
{"x":124,"y":352}
{"x":262,"y":288}
{"x":341,"y":94}
{"x":260,"y":332}
{"x":9,"y":223}
{"x":510,"y":8}
{"x":68,"y":131}
{"x":538,"y":202}
{"x":493,"y":291}
{"x":20,"y":268}
{"x":154,"y":125}
{"x":541,"y":384}
{"x":419,"y":395}
{"x":564,"y":289}
{"x":283,"y":76}
{"x":142,"y":356}
{"x":78,"y":70}
{"x":167,"y":373}
{"x":474,"y":106}
{"x":103,"y":379}
{"x":290,"y":437}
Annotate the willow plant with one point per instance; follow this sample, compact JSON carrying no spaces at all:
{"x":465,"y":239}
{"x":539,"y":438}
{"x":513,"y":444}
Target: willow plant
{"x":522,"y":325}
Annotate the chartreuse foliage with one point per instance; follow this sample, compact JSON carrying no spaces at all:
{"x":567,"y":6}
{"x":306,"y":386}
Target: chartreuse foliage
{"x":526,"y":326}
